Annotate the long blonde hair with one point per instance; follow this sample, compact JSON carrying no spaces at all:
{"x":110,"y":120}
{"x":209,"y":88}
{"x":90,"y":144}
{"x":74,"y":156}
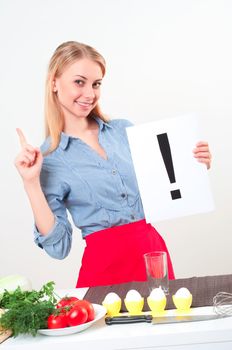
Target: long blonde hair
{"x":64,"y":55}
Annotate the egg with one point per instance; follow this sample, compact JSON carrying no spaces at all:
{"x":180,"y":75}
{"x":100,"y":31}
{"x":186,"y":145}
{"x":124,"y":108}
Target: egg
{"x":183,"y":293}
{"x":182,"y":299}
{"x":112,"y":303}
{"x":134,"y":302}
{"x":157,"y":301}
{"x":111,"y":298}
{"x":157,"y":294}
{"x":133,"y":295}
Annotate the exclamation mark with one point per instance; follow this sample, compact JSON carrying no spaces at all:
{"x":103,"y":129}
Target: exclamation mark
{"x":167,"y":158}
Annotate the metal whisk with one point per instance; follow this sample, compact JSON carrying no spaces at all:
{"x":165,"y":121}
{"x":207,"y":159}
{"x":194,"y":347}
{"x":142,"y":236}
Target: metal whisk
{"x":222,"y":303}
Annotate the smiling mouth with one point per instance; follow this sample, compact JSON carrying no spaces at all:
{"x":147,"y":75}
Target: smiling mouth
{"x":84,"y":104}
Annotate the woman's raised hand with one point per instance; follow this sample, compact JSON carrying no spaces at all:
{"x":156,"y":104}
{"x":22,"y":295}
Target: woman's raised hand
{"x":202,"y":153}
{"x":29,"y":161}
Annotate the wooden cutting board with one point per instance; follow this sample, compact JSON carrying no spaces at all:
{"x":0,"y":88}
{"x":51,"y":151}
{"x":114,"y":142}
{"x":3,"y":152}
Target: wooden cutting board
{"x":4,"y":333}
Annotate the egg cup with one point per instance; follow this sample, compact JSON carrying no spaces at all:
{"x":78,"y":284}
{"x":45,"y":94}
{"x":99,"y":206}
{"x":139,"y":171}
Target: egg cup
{"x":156,"y":306}
{"x":114,"y":308}
{"x":134,"y":307}
{"x":182,"y":304}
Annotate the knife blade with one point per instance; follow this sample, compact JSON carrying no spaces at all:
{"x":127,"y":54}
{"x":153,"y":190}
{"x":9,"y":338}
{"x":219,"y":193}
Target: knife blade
{"x":184,"y":318}
{"x":123,"y":319}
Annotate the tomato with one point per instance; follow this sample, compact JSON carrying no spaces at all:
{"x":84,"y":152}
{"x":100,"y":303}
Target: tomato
{"x":57,"y":321}
{"x":89,"y":308}
{"x":77,"y":315}
{"x":66,"y":301}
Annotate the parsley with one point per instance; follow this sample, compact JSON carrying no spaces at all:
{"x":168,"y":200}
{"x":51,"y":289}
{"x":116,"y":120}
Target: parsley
{"x":27,"y":311}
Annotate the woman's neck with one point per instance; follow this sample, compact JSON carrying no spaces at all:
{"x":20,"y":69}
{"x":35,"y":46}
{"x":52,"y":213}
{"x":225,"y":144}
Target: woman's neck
{"x":81,"y":126}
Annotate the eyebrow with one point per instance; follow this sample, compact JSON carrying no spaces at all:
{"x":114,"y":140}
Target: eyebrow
{"x":81,"y":76}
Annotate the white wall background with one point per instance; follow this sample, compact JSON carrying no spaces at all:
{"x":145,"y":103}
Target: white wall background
{"x":165,"y":57}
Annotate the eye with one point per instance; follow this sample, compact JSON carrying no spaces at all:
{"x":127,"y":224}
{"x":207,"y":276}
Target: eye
{"x":79,"y":82}
{"x":97,"y":84}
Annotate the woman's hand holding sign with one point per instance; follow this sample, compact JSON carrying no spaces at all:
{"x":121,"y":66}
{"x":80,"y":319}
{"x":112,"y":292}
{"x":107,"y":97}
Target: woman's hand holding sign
{"x":202,"y":153}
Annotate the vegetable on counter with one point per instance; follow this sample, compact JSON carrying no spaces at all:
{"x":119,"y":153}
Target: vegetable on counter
{"x":71,"y":312}
{"x":11,"y":282}
{"x":66,"y":301}
{"x":27,"y":311}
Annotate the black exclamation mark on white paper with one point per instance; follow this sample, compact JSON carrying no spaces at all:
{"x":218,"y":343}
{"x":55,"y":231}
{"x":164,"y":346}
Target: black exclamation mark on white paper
{"x":167,"y":158}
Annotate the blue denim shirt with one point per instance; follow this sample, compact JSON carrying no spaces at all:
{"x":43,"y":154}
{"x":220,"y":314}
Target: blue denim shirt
{"x":98,"y":193}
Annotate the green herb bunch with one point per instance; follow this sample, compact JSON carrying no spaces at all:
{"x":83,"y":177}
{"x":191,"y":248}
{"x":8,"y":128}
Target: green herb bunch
{"x":27,"y":311}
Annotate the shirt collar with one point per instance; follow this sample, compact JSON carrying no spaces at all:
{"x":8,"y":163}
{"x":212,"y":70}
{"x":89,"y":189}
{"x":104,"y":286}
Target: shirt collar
{"x":64,"y":138}
{"x":101,"y":123}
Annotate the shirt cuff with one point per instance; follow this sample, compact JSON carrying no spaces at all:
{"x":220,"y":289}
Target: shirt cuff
{"x":54,"y":235}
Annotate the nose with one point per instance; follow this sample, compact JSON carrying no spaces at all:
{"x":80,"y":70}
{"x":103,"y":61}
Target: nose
{"x":88,"y":91}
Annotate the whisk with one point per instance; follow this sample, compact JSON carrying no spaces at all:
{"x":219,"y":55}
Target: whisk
{"x":222,"y":303}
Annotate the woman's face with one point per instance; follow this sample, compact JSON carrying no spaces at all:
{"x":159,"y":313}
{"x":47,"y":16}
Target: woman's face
{"x":78,"y":88}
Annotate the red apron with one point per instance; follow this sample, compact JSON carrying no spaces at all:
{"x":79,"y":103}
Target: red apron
{"x":115,"y":255}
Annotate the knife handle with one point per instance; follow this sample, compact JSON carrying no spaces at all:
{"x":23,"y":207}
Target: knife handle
{"x":128,"y":319}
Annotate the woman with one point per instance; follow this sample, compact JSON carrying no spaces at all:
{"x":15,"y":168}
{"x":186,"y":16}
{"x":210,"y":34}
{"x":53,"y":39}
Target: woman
{"x":85,"y":167}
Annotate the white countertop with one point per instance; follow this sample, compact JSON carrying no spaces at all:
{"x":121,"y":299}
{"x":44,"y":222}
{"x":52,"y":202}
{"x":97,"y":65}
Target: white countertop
{"x":213,"y":334}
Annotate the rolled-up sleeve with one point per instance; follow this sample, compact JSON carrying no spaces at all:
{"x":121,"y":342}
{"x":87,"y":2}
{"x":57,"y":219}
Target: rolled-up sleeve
{"x":57,"y":243}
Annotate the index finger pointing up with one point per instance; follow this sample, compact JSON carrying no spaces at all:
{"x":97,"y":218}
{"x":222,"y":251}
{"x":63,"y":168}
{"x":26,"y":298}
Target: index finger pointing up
{"x":22,"y":138}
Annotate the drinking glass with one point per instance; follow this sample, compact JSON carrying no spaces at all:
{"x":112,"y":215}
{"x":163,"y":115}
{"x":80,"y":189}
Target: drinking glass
{"x":157,"y":270}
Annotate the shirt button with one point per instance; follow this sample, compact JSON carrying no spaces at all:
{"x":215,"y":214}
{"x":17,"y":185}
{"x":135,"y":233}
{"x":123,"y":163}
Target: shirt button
{"x":114,"y":172}
{"x":123,"y":195}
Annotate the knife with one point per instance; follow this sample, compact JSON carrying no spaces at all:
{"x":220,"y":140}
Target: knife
{"x":159,"y":320}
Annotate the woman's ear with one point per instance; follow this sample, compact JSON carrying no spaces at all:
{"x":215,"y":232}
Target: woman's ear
{"x":54,"y":88}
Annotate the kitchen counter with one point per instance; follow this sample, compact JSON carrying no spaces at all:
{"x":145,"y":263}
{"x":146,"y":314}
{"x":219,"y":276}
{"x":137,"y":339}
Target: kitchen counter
{"x":213,"y":334}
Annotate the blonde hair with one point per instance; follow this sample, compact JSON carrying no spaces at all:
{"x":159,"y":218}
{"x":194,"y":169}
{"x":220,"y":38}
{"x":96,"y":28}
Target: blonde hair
{"x":64,"y":55}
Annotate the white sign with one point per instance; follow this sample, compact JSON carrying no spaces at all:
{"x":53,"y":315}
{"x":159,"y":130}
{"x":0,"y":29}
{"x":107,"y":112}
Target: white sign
{"x":171,"y":181}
